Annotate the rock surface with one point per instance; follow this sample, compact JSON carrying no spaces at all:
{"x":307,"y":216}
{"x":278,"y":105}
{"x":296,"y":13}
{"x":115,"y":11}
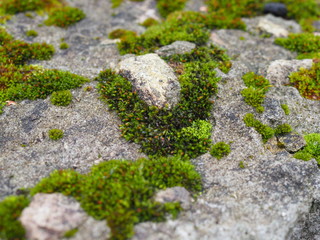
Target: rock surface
{"x":152,"y":78}
{"x":49,"y":216}
{"x":178,"y":47}
{"x":174,"y":194}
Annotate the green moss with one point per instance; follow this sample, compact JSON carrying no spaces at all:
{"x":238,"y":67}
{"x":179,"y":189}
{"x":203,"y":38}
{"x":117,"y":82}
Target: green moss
{"x":220,"y":150}
{"x":64,"y":45}
{"x":255,"y":93}
{"x":121,"y":33}
{"x":61,"y":98}
{"x":16,"y":6}
{"x":265,"y":131}
{"x":307,"y":82}
{"x":163,"y":131}
{"x":149,"y":22}
{"x":303,"y":43}
{"x":70,"y":233}
{"x":10,"y":211}
{"x":311,"y":150}
{"x":242,"y":165}
{"x":166,"y":7}
{"x":31,"y":33}
{"x":121,"y":191}
{"x":55,"y":134}
{"x":285,"y":108}
{"x":65,"y":16}
{"x":282,"y":129}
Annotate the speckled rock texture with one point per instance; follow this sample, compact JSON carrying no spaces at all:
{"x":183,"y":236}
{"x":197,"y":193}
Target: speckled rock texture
{"x":152,"y":78}
{"x":174,"y":194}
{"x":274,"y":196}
{"x":50,"y":216}
{"x":178,"y":47}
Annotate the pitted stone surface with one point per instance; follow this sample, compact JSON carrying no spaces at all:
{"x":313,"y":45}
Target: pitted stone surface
{"x":178,"y":47}
{"x":152,"y":78}
{"x":174,"y":194}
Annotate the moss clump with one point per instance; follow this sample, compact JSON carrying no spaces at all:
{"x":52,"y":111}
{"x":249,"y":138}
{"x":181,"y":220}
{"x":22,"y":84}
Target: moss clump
{"x":32,"y":33}
{"x":282,"y":129}
{"x":121,"y":191}
{"x":285,"y":108}
{"x":265,"y":131}
{"x":64,"y":45}
{"x":65,"y":16}
{"x":122,"y":34}
{"x":55,"y":134}
{"x":162,"y":131}
{"x":307,"y":81}
{"x":70,"y":233}
{"x":305,"y":44}
{"x":220,"y":150}
{"x":10,"y":211}
{"x":16,"y":6}
{"x":242,"y":165}
{"x":255,"y":93}
{"x":166,"y":7}
{"x":149,"y":22}
{"x":311,"y":150}
{"x":61,"y":98}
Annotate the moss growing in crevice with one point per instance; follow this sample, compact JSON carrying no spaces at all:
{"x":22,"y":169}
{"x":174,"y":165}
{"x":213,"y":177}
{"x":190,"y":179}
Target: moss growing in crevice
{"x":255,"y":93}
{"x":121,"y":191}
{"x":311,"y":150}
{"x":220,"y":150}
{"x":61,"y":98}
{"x":55,"y":134}
{"x":162,"y":131}
{"x":307,"y":81}
{"x":285,"y":108}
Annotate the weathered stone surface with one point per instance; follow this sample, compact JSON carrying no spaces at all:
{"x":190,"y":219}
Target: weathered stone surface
{"x":277,"y":9}
{"x":152,"y":78}
{"x":174,"y":194}
{"x":269,"y":24}
{"x":49,"y":216}
{"x":278,"y":72}
{"x":292,"y":142}
{"x":253,"y":51}
{"x":178,"y":47}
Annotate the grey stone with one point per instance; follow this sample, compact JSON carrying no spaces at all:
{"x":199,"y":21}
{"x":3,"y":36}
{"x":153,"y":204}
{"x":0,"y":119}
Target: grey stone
{"x":279,"y":71}
{"x":49,"y":216}
{"x":292,"y":142}
{"x":177,"y":47}
{"x":152,"y":78}
{"x":174,"y":194}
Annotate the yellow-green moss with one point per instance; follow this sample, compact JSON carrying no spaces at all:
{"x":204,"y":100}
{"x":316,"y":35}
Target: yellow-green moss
{"x":65,"y":16}
{"x":285,"y":108}
{"x":121,"y":33}
{"x":55,"y":134}
{"x":149,"y":22}
{"x":220,"y":150}
{"x":32,"y":33}
{"x":311,"y":150}
{"x":64,"y":45}
{"x":61,"y":98}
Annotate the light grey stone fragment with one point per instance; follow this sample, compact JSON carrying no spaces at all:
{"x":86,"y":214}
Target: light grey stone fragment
{"x":49,"y":216}
{"x":174,"y":194}
{"x":177,"y":47}
{"x":279,"y":71}
{"x":275,"y":26}
{"x":152,"y":78}
{"x":292,"y":142}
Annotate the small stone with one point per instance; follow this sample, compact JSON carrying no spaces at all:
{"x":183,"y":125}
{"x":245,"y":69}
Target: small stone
{"x":152,"y":78}
{"x":292,"y":142}
{"x":276,"y":30}
{"x":49,"y":216}
{"x":276,"y":9}
{"x":316,"y":25}
{"x":178,"y":47}
{"x":175,"y":194}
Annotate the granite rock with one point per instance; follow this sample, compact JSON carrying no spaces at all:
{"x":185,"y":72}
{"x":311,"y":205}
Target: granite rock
{"x":174,"y":194}
{"x":177,"y":47}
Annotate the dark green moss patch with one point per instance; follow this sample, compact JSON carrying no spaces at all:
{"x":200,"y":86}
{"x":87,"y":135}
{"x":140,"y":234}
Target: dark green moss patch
{"x":306,"y":44}
{"x":122,"y":34}
{"x":121,"y":191}
{"x":31,"y":33}
{"x":162,"y":131}
{"x":55,"y":134}
{"x":220,"y":150}
{"x":282,"y":129}
{"x":65,"y":16}
{"x":10,"y":211}
{"x":61,"y":98}
{"x":307,"y":81}
{"x":312,"y":149}
{"x":255,"y":93}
